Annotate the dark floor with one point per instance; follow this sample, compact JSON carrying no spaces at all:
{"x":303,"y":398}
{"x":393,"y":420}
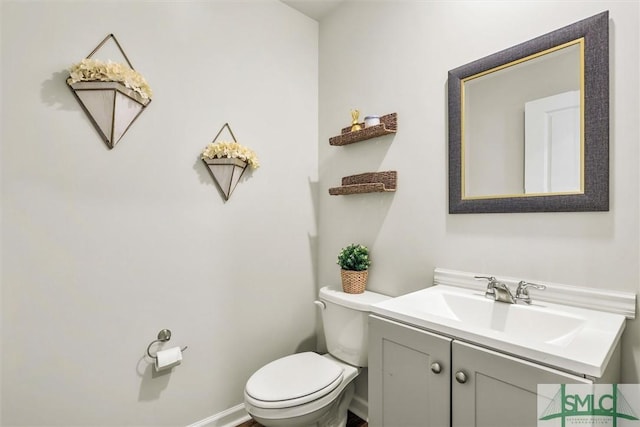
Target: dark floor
{"x":352,"y":421}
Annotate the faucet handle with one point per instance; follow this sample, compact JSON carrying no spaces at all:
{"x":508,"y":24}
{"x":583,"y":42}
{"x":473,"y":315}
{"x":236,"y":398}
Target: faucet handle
{"x":522,"y":292}
{"x":491,"y":283}
{"x":489,"y":278}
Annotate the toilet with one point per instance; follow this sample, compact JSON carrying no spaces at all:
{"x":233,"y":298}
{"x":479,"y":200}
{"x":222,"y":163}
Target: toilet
{"x":309,"y":389}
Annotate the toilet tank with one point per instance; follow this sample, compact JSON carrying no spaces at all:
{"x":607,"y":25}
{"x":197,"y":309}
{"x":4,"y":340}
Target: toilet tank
{"x":345,"y":321}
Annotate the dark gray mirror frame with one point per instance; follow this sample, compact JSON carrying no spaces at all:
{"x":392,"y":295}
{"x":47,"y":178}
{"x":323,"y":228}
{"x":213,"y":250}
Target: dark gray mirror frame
{"x":595,"y":31}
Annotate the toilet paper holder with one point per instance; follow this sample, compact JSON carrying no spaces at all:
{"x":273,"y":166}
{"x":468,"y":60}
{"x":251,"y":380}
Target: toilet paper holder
{"x":163,"y":336}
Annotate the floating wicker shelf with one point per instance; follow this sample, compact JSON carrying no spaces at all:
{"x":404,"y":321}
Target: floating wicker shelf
{"x":369,"y":182}
{"x":388,"y":124}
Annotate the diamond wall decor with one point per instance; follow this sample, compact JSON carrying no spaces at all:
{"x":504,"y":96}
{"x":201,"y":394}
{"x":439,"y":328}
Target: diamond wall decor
{"x":113,"y":95}
{"x":227,"y":161}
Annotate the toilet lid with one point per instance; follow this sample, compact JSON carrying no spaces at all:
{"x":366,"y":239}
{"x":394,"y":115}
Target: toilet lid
{"x":294,"y":377}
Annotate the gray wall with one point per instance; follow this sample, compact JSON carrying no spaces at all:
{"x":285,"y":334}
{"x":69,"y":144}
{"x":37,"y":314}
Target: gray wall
{"x":101,"y":249}
{"x":383,"y":57}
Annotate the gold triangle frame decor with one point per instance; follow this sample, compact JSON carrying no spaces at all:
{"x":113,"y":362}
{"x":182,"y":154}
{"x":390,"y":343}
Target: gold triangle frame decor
{"x":111,"y":94}
{"x":227,"y":162}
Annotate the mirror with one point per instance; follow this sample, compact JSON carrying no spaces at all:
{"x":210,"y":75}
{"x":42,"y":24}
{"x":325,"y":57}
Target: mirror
{"x":529,"y":126}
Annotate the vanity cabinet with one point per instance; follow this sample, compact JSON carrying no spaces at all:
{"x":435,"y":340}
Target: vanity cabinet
{"x":409,"y":376}
{"x":419,"y":378}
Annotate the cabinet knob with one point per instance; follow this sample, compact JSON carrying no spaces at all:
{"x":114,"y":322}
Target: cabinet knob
{"x":461,"y":377}
{"x":436,"y":368}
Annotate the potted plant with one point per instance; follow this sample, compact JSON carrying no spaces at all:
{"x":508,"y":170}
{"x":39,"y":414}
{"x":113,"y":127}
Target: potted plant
{"x":354,"y":263}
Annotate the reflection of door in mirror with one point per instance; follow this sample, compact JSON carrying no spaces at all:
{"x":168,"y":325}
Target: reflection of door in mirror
{"x":493,"y":123}
{"x":552,"y":145}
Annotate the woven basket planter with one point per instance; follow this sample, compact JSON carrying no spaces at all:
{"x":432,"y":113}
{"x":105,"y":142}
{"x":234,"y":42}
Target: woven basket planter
{"x":354,"y":282}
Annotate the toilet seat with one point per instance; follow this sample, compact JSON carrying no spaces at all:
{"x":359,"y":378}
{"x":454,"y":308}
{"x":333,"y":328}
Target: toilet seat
{"x":293,"y":380}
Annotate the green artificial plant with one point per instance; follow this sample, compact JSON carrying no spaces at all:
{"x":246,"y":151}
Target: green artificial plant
{"x":354,"y":257}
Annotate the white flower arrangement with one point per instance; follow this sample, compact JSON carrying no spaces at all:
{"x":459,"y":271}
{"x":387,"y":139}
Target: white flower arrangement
{"x":95,"y":70}
{"x":230,"y":149}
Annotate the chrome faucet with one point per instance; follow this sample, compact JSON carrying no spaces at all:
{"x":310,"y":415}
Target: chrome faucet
{"x":522,"y":293}
{"x":497,"y":291}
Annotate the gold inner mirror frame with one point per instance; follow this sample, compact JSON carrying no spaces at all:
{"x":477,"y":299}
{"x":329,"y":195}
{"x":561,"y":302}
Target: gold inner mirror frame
{"x":513,"y":66}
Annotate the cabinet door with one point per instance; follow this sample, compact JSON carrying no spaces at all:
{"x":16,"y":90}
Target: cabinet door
{"x":499,"y":390}
{"x":406,"y":389}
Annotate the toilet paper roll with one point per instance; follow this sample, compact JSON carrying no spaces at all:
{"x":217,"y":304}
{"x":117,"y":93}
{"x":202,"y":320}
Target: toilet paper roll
{"x":167,"y":359}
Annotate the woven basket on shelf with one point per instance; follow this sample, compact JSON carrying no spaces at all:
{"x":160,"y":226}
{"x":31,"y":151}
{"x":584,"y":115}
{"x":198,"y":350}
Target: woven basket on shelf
{"x":354,"y":282}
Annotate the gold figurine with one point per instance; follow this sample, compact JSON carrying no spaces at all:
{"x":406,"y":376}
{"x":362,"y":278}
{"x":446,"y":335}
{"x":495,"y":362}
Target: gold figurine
{"x":355,"y":126}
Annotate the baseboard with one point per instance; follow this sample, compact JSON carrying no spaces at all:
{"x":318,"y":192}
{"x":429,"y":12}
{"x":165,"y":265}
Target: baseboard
{"x":360,"y":407}
{"x":231,"y":417}
{"x":237,"y":415}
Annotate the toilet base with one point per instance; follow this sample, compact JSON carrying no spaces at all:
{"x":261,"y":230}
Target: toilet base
{"x":332,"y":415}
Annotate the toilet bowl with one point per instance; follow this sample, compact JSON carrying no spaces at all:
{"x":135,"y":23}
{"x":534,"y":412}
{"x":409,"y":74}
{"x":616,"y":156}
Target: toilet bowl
{"x":287,"y":393}
{"x":309,"y":389}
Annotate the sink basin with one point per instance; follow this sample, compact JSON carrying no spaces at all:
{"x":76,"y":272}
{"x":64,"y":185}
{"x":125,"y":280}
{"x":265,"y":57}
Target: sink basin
{"x":534,"y":322}
{"x":575,"y":339}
